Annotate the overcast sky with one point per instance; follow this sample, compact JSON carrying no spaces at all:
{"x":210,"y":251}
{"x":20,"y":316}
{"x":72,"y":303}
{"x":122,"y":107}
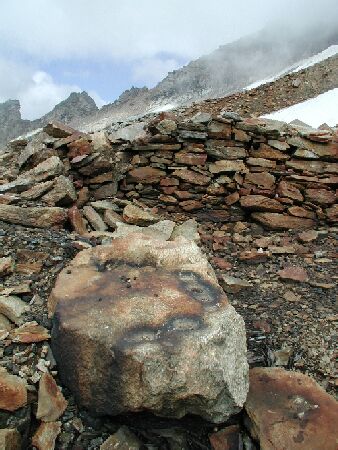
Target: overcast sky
{"x":49,"y":48}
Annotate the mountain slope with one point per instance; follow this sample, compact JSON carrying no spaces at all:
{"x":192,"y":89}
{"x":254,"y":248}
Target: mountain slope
{"x":78,"y":104}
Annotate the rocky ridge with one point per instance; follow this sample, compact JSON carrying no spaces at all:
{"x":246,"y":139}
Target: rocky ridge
{"x":258,"y":196}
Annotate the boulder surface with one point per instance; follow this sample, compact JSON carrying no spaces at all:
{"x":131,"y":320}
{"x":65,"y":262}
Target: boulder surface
{"x":142,"y":324}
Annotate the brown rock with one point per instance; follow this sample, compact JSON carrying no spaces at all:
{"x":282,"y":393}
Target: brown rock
{"x":10,"y":439}
{"x":231,"y":199}
{"x":191,"y":205}
{"x":293,"y":273}
{"x":223,"y":150}
{"x":222,"y":263}
{"x":286,"y":189}
{"x":79,"y":147}
{"x":308,"y":236}
{"x":275,"y":221}
{"x":298,"y":211}
{"x":76,"y":219}
{"x":51,"y":402}
{"x":191,"y":177}
{"x":45,"y":436}
{"x":94,"y":218}
{"x":6,"y":266}
{"x":223,"y":166}
{"x":29,"y":332}
{"x":38,"y":190}
{"x":190,"y":159}
{"x":137,"y":216}
{"x":227,"y":439}
{"x":39,"y":217}
{"x":219,"y":130}
{"x":312,"y":166}
{"x":13,"y":392}
{"x":254,"y":256}
{"x":320,"y":196}
{"x":289,"y":410}
{"x":58,"y":130}
{"x":146,"y":175}
{"x":260,"y":203}
{"x":261,"y":179}
{"x":332,"y":213}
{"x":261,"y":162}
{"x":266,"y":152}
{"x":169,"y":182}
{"x":111,"y":218}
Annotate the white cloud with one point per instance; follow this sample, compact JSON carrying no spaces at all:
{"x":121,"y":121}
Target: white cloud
{"x":150,"y":71}
{"x":36,"y":90}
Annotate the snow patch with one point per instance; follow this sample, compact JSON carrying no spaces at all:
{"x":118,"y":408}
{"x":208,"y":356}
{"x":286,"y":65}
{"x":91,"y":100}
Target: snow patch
{"x":161,"y":108}
{"x":314,"y":111}
{"x":304,"y":64}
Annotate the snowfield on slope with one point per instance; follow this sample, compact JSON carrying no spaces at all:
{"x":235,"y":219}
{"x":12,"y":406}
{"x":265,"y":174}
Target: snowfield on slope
{"x":311,"y":61}
{"x":314,"y":112}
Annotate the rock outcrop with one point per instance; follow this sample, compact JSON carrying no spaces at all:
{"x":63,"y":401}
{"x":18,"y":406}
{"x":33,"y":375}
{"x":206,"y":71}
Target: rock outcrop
{"x":142,"y":324}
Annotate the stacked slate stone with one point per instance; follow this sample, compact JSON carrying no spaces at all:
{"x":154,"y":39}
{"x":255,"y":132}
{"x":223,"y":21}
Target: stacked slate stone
{"x":217,"y":169}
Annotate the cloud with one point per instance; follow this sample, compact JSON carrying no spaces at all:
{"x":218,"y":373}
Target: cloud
{"x":37,"y":91}
{"x":130,"y":30}
{"x":152,"y":70}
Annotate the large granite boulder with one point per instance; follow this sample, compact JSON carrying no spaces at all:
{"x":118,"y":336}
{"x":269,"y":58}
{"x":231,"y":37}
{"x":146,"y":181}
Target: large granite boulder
{"x":142,"y":324}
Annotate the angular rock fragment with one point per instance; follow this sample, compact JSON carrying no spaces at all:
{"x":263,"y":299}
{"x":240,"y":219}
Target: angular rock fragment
{"x":261,"y":203}
{"x":188,"y":230}
{"x":292,"y":273}
{"x":62,"y":194}
{"x":45,"y":436}
{"x":223,"y":166}
{"x":6,"y":266}
{"x":275,"y":221}
{"x":227,"y":439}
{"x":13,"y":308}
{"x":137,"y":216}
{"x":58,"y":130}
{"x":94,"y":219}
{"x":143,"y":325}
{"x":161,"y":230}
{"x":39,"y":217}
{"x":123,"y":439}
{"x":13,"y":392}
{"x":289,"y":410}
{"x":10,"y":439}
{"x":191,"y":177}
{"x":233,"y":284}
{"x":29,"y":332}
{"x":51,"y":402}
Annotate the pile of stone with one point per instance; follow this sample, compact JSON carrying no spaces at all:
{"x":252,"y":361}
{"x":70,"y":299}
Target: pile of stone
{"x":141,"y":323}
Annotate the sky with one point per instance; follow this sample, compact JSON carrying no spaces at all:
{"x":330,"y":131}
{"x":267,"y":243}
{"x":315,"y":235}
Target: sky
{"x":49,"y":48}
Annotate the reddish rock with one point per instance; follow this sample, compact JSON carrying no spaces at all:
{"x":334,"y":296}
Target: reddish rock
{"x":286,"y":189}
{"x":76,"y":219}
{"x":219,"y":130}
{"x":137,"y":216}
{"x":146,"y":175}
{"x":298,"y":211}
{"x":191,"y":205}
{"x":261,"y":162}
{"x":123,"y":439}
{"x":261,"y":179}
{"x":313,"y":166}
{"x":13,"y":392}
{"x":29,"y":332}
{"x":222,"y":263}
{"x":293,"y":273}
{"x":192,"y":177}
{"x":289,"y":410}
{"x":266,"y":152}
{"x":168,"y":190}
{"x":224,"y":165}
{"x":308,"y":236}
{"x":320,"y":196}
{"x":275,"y":221}
{"x":39,"y":217}
{"x":51,"y":402}
{"x":58,"y":130}
{"x":254,"y":256}
{"x":169,"y":182}
{"x":231,"y":199}
{"x":261,"y":203}
{"x":227,"y":439}
{"x":79,"y":147}
{"x":332,"y":213}
{"x":191,"y":159}
{"x":184,"y":195}
{"x":168,"y":199}
{"x":45,"y":436}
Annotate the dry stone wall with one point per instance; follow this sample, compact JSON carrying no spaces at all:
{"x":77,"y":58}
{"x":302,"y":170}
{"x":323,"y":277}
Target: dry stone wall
{"x":216,"y":169}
